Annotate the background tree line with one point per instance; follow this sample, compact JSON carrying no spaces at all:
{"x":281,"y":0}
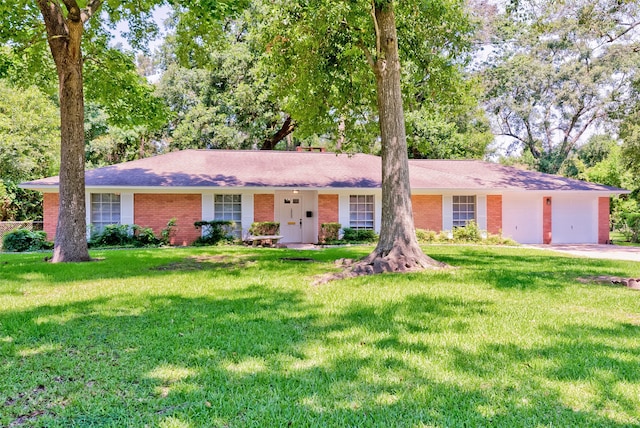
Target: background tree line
{"x":551,"y":86}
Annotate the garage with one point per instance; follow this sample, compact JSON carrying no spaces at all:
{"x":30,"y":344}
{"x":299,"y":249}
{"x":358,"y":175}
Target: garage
{"x":574,"y":219}
{"x":522,"y":218}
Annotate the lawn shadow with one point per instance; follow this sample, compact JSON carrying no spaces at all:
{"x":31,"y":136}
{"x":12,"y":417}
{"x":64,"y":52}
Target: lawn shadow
{"x":530,"y":270}
{"x":260,"y":355}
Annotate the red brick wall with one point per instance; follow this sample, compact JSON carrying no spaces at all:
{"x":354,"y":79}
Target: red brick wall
{"x":263,"y":207}
{"x":427,"y":212}
{"x":327,"y":209}
{"x":603,"y":220}
{"x":50,"y":207}
{"x":494,"y":214}
{"x":155,"y":210}
{"x":546,"y":219}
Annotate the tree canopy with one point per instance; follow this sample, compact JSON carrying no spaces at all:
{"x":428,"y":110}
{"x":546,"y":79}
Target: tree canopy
{"x":558,"y":71}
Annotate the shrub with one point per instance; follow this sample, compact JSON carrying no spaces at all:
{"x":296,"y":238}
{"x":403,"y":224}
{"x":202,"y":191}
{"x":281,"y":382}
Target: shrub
{"x":630,"y":227}
{"x":426,"y":236}
{"x":468,"y":233}
{"x":357,"y":236}
{"x":113,"y":235}
{"x":214,"y":232}
{"x":462,"y":235}
{"x":123,"y":235}
{"x":264,"y":228}
{"x":329,"y":232}
{"x":168,"y":232}
{"x":144,"y":237}
{"x":499,"y":240}
{"x":20,"y":240}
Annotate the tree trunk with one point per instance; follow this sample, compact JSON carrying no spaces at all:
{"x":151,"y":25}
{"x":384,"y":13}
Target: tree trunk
{"x":286,"y":129}
{"x":64,"y":37}
{"x":397,"y":248}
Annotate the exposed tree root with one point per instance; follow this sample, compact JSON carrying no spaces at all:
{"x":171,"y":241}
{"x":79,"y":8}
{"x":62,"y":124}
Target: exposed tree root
{"x":375,"y":263}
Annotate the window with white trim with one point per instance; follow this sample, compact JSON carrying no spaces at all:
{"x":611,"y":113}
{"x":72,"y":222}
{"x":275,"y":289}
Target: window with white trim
{"x":105,"y":210}
{"x":229,"y":207}
{"x":361,"y":212}
{"x":464,"y":210}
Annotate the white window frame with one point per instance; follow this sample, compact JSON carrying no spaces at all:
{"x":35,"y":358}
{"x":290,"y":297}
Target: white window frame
{"x":227,"y":206}
{"x":362,"y":212}
{"x":106,"y":209}
{"x":464,"y":209}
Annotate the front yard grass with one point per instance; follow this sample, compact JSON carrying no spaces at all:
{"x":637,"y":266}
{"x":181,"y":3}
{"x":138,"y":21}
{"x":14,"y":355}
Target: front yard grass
{"x":237,"y":337}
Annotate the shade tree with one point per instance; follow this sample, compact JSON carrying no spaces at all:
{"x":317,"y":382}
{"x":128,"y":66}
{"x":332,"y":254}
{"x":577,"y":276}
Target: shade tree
{"x":340,"y":65}
{"x":557,"y":72}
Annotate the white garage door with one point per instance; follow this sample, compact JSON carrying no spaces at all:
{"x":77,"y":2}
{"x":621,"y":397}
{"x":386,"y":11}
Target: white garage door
{"x":522,"y":218}
{"x":574,"y":220}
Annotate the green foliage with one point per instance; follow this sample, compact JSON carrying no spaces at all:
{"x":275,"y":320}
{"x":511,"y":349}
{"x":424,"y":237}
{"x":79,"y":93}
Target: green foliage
{"x":460,"y":236}
{"x":469,"y":233}
{"x":113,"y":235}
{"x":29,"y":131}
{"x":215,"y":232}
{"x":21,"y":240}
{"x":329,"y":232}
{"x":601,"y":161}
{"x":318,"y":62}
{"x":123,"y":235}
{"x":144,"y":237}
{"x":225,"y":102}
{"x":631,"y":227}
{"x":557,"y":71}
{"x":114,"y":83}
{"x":168,"y":232}
{"x":17,"y":204}
{"x":264,"y":228}
{"x":358,"y":236}
{"x":630,"y":134}
{"x":427,"y":236}
{"x":432,"y":136}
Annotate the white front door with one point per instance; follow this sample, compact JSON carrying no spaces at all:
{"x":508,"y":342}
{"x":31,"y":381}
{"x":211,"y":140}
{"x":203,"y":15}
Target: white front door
{"x":290,"y":216}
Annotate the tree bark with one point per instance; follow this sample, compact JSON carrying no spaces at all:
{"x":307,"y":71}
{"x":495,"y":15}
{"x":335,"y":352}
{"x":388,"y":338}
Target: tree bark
{"x":287,"y":128}
{"x":397,"y":248}
{"x":64,"y":37}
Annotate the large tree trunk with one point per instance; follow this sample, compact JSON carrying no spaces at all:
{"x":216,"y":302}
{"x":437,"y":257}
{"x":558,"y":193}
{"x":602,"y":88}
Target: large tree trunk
{"x":64,"y":35}
{"x":398,"y":248}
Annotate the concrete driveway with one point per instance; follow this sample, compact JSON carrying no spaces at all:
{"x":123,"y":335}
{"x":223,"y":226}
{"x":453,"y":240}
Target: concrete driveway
{"x":595,"y":251}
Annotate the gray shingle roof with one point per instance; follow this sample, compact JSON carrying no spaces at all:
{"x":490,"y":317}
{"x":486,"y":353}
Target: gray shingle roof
{"x":278,"y":169}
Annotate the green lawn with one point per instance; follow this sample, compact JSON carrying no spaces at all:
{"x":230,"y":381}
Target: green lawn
{"x":619,"y":239}
{"x":235,"y":337}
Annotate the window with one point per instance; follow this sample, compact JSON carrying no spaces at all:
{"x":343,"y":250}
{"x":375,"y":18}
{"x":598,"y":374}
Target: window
{"x":361,"y":212}
{"x":464,"y":210}
{"x":229,"y":207}
{"x":105,"y":210}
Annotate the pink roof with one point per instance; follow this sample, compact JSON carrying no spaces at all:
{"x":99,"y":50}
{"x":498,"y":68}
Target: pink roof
{"x":279,"y":169}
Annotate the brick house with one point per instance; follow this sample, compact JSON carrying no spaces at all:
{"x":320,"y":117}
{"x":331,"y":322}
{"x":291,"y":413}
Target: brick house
{"x":302,"y":190}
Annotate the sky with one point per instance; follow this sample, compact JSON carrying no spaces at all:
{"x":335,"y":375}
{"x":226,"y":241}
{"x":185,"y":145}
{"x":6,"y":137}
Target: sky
{"x":160,"y":15}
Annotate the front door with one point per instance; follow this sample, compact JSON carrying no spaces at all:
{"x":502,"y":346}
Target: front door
{"x":290,"y":210}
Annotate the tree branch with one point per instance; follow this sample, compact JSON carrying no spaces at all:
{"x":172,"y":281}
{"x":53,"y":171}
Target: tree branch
{"x":367,"y":54}
{"x":53,"y":19}
{"x":73,"y":10}
{"x":613,"y":38}
{"x":287,"y":128}
{"x":91,"y":9}
{"x":377,"y":28}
